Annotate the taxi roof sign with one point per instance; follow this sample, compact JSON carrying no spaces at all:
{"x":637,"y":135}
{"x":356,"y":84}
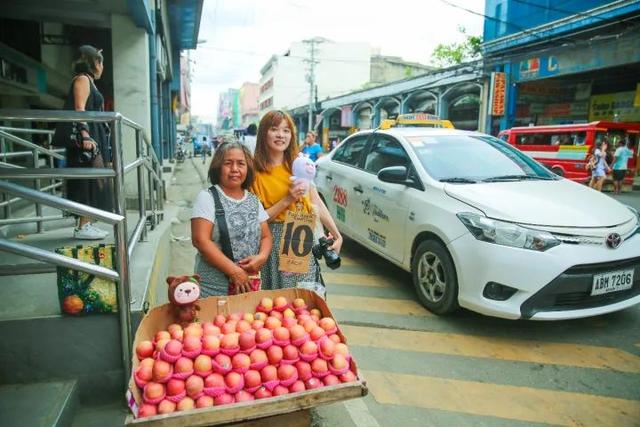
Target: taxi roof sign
{"x":417,"y":120}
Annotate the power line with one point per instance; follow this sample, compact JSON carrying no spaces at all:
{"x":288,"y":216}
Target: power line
{"x":247,"y":52}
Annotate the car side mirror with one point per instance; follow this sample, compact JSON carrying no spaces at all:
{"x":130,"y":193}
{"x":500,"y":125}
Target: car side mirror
{"x":398,"y":175}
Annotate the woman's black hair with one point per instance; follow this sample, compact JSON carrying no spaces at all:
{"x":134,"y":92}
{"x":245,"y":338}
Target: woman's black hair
{"x":218,"y":160}
{"x":85,"y":64}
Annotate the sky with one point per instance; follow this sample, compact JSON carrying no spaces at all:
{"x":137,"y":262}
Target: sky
{"x":237,"y":37}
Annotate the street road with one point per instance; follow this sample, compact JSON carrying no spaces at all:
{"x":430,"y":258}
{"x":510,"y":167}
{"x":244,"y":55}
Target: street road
{"x":465,"y":369}
{"x":472,"y":370}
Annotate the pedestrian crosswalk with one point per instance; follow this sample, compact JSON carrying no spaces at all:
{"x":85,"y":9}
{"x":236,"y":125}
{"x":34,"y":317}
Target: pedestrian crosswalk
{"x":466,"y":369}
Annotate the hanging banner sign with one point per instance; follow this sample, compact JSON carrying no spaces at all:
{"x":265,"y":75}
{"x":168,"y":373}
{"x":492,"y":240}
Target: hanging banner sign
{"x":636,"y":100}
{"x":498,"y":93}
{"x":296,"y":242}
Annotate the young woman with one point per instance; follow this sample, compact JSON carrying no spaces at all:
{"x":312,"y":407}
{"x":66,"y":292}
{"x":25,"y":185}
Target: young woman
{"x":85,"y":96}
{"x":276,"y":148}
{"x":231,"y":173}
{"x":601,"y":169}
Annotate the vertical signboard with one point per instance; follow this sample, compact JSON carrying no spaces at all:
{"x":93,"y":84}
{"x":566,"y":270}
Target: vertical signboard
{"x":498,"y":93}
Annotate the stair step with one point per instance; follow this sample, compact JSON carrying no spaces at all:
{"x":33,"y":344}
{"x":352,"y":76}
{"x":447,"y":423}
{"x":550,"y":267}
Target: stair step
{"x":108,"y":415}
{"x":48,"y":404}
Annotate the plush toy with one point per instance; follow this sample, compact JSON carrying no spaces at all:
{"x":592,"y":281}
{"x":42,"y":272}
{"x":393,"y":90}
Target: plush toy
{"x":304,"y":171}
{"x":184,"y":291}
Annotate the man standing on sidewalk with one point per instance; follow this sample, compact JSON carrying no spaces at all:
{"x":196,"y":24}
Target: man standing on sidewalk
{"x":311,"y":147}
{"x":205,"y":148}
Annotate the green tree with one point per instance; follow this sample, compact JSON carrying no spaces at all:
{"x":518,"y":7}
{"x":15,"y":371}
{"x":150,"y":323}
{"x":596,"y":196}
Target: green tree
{"x":445,"y":55}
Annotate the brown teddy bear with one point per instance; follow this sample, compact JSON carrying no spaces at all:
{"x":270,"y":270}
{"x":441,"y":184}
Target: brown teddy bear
{"x":184,"y":291}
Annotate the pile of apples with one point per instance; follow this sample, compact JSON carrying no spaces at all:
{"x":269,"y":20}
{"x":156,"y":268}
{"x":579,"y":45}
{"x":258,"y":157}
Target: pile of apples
{"x":281,"y":348}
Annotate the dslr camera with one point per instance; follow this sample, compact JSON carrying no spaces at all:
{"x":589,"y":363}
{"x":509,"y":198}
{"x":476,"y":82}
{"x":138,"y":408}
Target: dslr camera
{"x":322,"y":250}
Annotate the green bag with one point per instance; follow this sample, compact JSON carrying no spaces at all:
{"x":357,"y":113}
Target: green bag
{"x":84,"y":293}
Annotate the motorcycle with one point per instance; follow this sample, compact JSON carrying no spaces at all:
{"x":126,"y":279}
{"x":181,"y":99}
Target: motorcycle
{"x":180,"y":153}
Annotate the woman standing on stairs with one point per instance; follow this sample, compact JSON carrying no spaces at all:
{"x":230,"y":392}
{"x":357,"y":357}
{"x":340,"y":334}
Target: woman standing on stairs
{"x":87,"y":144}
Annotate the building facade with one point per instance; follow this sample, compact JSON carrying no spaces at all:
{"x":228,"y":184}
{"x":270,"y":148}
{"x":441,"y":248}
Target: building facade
{"x":249,"y":93}
{"x":141,"y":42}
{"x":339,"y":68}
{"x":571,"y":62}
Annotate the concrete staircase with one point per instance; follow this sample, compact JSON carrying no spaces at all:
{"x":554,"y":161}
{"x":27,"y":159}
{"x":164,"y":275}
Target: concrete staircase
{"x":61,"y":370}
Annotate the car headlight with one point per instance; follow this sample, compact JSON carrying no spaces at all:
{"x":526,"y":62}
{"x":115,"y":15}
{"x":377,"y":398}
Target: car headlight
{"x":506,"y":233}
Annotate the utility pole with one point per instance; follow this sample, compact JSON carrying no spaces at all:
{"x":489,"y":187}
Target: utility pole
{"x":311,"y":77}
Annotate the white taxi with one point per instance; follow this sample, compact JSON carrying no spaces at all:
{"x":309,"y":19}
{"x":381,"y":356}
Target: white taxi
{"x":480,"y":224}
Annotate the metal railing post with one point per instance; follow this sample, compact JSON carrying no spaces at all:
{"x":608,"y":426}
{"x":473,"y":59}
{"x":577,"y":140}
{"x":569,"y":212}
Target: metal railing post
{"x":122,"y":261}
{"x":141,"y":188}
{"x":36,"y":185}
{"x":152,"y":185}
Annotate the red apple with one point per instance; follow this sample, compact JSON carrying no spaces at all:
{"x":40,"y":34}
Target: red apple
{"x":230,"y":341}
{"x":210,"y":343}
{"x":262,"y":393}
{"x":279,"y":303}
{"x":297,"y":386}
{"x":257,"y":324}
{"x":153,"y":390}
{"x":297,"y":332}
{"x":248,"y":317}
{"x":243,"y":396}
{"x":312,"y":383}
{"x":260,"y":316}
{"x":263,"y":335}
{"x":258,"y":356}
{"x":281,"y":334}
{"x":166,"y":407}
{"x":202,"y":365}
{"x":316,"y":333}
{"x":288,"y":313}
{"x":204,"y":402}
{"x":223,"y":361}
{"x":272,"y":323}
{"x":224,"y":399}
{"x":304,"y":370}
{"x":347,"y":377}
{"x":319,"y":366}
{"x":330,"y":380}
{"x":335,"y":338}
{"x":240,"y":362}
{"x":161,"y":370}
{"x":327,"y":348}
{"x":299,"y":303}
{"x":186,"y":404}
{"x":309,"y":348}
{"x":147,"y":410}
{"x":193,"y":330}
{"x":234,"y":380}
{"x":290,"y":352}
{"x":247,"y":340}
{"x":286,"y":372}
{"x":327,"y":323}
{"x":229,"y":327}
{"x":280,"y":390}
{"x":194,"y":386}
{"x":242,"y":326}
{"x":162,"y":335}
{"x":266,"y":304}
{"x":175,"y":387}
{"x":214,"y":380}
{"x":183,"y":365}
{"x":252,"y":379}
{"x":219,"y":320}
{"x":274,"y":354}
{"x":144,"y":349}
{"x":191,"y":344}
{"x":269,"y":373}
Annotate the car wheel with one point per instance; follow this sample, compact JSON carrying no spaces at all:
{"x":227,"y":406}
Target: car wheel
{"x":434,"y":277}
{"x":558,"y":171}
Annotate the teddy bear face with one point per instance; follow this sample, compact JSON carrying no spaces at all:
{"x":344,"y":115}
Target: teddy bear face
{"x":186,"y":293}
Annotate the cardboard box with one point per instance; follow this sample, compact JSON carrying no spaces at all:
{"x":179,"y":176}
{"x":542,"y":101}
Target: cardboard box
{"x":159,"y":318}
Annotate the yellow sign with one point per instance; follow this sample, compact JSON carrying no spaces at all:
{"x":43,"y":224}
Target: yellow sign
{"x":614,"y":107}
{"x":416,"y":119}
{"x":498,"y":93}
{"x":296,"y":242}
{"x":636,"y":101}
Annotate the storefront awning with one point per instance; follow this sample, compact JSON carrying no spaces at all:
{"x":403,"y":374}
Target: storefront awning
{"x":184,"y":21}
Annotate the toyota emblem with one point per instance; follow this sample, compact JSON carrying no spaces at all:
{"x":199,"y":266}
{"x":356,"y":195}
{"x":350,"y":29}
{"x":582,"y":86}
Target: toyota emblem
{"x":613,"y":240}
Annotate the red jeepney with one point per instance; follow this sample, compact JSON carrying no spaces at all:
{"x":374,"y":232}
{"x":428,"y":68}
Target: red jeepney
{"x":564,"y":148}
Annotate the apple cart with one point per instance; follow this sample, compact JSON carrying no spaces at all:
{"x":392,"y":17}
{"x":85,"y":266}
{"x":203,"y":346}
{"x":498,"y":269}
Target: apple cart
{"x":291,"y":409}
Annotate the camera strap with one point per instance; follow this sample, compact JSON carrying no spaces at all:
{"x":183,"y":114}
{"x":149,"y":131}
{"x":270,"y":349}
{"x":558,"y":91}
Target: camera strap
{"x":221,"y":223}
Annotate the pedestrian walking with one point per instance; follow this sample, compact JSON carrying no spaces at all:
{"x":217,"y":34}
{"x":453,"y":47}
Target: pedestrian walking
{"x":87,"y":144}
{"x":311,"y":148}
{"x":205,"y":148}
{"x":276,"y":148}
{"x":249,"y":140}
{"x":620,"y":164}
{"x":245,"y":229}
{"x":600,"y":167}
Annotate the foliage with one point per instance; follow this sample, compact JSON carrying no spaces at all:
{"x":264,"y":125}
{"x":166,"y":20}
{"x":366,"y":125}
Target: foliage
{"x":445,"y":55}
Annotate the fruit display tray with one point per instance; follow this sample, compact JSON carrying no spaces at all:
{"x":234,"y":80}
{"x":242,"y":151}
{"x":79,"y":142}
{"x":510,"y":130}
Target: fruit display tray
{"x":160,"y":317}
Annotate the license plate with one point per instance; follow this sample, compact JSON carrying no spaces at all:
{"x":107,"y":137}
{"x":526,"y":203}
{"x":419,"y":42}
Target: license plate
{"x":612,"y":281}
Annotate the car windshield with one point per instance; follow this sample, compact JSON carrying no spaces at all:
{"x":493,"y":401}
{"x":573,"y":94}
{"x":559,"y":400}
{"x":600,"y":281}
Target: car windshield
{"x":467,"y":159}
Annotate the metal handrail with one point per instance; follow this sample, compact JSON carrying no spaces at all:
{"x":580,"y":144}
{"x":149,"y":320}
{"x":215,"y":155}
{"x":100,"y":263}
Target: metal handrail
{"x":146,"y":161}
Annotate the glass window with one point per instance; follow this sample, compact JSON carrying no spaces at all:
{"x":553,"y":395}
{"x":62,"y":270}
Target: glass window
{"x":350,"y":151}
{"x":385,"y":152}
{"x":473,"y":157}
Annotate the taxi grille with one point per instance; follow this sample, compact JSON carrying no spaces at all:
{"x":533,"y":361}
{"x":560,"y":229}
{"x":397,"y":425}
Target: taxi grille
{"x":571,"y":290}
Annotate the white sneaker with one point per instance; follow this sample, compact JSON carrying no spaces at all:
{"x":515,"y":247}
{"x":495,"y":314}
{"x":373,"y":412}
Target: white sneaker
{"x":99,"y":230}
{"x":87,"y":232}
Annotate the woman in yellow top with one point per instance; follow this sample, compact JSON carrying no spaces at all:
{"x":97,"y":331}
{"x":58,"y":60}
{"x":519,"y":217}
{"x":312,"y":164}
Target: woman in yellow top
{"x":276,"y":148}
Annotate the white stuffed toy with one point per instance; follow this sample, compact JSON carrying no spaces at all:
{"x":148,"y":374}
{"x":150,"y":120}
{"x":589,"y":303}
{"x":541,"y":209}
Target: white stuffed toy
{"x":304,"y":171}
